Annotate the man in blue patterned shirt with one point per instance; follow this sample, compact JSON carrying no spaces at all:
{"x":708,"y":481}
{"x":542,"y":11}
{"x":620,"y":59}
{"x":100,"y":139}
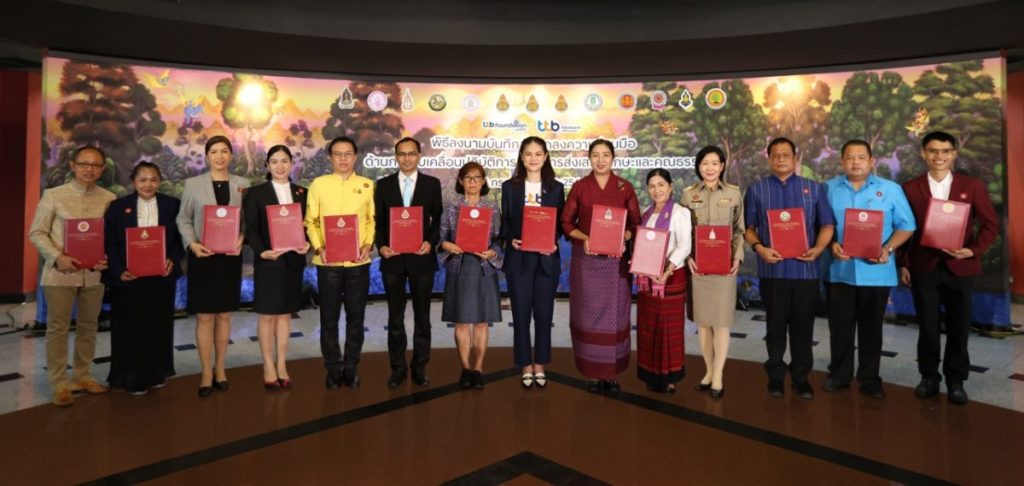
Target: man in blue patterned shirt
{"x":789,"y":286}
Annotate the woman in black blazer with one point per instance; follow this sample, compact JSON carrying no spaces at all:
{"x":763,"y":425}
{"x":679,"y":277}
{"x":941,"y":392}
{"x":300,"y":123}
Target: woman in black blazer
{"x":142,"y":308}
{"x":532,"y":277}
{"x":278,"y":273}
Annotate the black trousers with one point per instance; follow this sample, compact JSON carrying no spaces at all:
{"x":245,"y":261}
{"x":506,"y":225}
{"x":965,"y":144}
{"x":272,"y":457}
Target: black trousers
{"x":532,"y":295}
{"x":420,"y":286}
{"x":789,"y":307}
{"x":860,"y":310}
{"x":932,"y":290}
{"x":338,"y":285}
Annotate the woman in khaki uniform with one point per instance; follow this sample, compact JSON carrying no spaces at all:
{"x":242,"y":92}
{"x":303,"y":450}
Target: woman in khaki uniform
{"x":714,"y":202}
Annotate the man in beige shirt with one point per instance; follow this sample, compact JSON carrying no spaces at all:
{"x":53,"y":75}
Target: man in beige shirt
{"x":64,"y":282}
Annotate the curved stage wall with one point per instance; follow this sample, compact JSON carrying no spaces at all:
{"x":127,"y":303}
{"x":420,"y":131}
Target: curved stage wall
{"x":165,"y":114}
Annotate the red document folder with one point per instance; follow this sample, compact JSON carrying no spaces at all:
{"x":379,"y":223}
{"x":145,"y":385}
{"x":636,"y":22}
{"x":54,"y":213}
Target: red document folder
{"x":538,"y":228}
{"x":649,"y":252}
{"x":146,"y":251}
{"x":788,"y":231}
{"x":221,"y":226}
{"x":405,"y":229}
{"x":862,"y":233}
{"x":83,"y":241}
{"x":341,"y":238}
{"x":945,"y":224}
{"x":285,"y":224}
{"x":607,"y":229}
{"x":713,"y":248}
{"x":473,"y":234}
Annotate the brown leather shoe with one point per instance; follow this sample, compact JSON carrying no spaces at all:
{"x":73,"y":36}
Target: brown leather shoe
{"x":63,"y":397}
{"x":89,"y":386}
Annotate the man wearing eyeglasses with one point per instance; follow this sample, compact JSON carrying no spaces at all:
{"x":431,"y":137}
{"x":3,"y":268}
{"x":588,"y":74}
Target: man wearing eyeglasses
{"x":342,"y":192}
{"x":65,"y":281}
{"x":945,"y":278}
{"x":860,"y":284}
{"x":408,"y":188}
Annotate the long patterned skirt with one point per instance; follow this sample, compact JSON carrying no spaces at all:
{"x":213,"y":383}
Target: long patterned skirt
{"x":599,"y":308}
{"x":660,"y":322}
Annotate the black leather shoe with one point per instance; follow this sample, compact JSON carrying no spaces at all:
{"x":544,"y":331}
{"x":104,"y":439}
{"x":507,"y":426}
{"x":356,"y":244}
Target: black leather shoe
{"x":466,"y":379}
{"x":220,"y":385}
{"x":332,"y":382}
{"x":421,"y":379}
{"x":205,"y":391}
{"x":873,"y":390}
{"x":478,"y":380}
{"x":955,"y":393}
{"x":396,"y":378}
{"x":927,"y":388}
{"x":717,"y":393}
{"x":594,"y":386}
{"x":669,"y":390}
{"x":702,"y":387}
{"x":775,"y":388}
{"x":351,"y":379}
{"x":611,"y":387}
{"x":832,"y":385}
{"x":804,"y":389}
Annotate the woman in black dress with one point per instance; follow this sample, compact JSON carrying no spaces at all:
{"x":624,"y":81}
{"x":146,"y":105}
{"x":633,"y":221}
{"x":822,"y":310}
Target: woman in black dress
{"x":142,"y":308}
{"x":214,"y":279}
{"x":278,"y":272}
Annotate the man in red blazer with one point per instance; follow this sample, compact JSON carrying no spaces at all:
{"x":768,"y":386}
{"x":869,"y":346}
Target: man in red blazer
{"x":945,"y":278}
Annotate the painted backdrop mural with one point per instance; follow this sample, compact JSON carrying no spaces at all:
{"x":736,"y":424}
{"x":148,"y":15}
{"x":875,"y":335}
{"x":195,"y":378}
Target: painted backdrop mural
{"x":165,"y":115}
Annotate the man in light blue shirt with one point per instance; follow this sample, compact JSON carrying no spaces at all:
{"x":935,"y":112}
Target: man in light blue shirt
{"x":859,"y":289}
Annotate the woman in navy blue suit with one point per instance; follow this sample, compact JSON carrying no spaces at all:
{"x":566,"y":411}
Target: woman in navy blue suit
{"x":532,"y":277}
{"x":142,"y":308}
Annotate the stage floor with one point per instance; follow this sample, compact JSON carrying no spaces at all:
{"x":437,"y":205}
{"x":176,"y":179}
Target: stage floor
{"x":505,"y":434}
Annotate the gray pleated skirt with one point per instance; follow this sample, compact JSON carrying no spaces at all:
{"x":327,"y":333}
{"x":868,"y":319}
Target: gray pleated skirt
{"x":470,"y":296}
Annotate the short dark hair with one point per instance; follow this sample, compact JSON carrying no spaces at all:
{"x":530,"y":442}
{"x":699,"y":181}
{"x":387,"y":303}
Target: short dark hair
{"x":270,"y":153}
{"x":83,"y":148}
{"x":938,"y":136}
{"x":856,"y":141}
{"x":659,"y":172}
{"x":547,"y":172}
{"x":214,"y":140}
{"x":342,"y":139}
{"x":600,"y":141}
{"x":146,"y":165}
{"x":472,"y":165}
{"x":777,"y":140}
{"x":710,"y":149}
{"x":408,"y":139}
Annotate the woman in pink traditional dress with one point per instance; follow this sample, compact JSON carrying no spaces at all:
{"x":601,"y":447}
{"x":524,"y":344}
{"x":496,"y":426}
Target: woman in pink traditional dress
{"x":661,"y":301}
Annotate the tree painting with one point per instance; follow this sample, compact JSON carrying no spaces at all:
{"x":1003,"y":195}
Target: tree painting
{"x":738,"y":128}
{"x":105,"y":105}
{"x":375,"y":131}
{"x":247,"y":102}
{"x":874,"y":108}
{"x":797,"y":110}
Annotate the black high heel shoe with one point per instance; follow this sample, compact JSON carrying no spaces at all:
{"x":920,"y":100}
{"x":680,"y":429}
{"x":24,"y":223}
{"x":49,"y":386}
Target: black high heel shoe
{"x":205,"y":391}
{"x":466,"y":379}
{"x":702,"y":387}
{"x":717,"y":393}
{"x":221,"y":385}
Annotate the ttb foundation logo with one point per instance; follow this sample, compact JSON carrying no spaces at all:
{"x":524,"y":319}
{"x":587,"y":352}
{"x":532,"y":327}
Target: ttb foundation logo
{"x":554,"y":126}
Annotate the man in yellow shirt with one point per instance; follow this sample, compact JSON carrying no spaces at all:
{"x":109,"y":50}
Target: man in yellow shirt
{"x":341,"y":193}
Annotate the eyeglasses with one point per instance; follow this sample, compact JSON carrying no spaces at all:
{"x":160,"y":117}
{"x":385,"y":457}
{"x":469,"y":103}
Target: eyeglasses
{"x":406,"y":154}
{"x":473,"y":178}
{"x":945,"y":151}
{"x":89,"y":166}
{"x":856,"y":158}
{"x":343,"y":155}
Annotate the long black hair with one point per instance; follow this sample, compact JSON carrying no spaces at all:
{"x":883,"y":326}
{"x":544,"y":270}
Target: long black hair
{"x":547,"y":172}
